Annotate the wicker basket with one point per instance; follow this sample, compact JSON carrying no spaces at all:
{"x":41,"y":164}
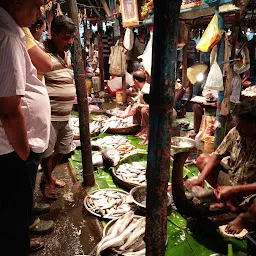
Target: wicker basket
{"x":124,"y":130}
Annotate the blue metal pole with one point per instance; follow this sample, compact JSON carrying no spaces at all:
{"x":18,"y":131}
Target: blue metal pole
{"x":160,"y":99}
{"x":219,"y":132}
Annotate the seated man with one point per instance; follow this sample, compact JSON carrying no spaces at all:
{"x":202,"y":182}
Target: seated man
{"x":140,"y":110}
{"x":212,"y":94}
{"x":115,"y":83}
{"x":239,"y":145}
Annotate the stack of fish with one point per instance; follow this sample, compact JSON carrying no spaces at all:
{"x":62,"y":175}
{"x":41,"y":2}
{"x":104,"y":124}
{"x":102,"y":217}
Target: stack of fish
{"x":250,"y":91}
{"x":134,"y":173}
{"x":95,"y":127}
{"x":120,"y":143}
{"x":125,"y":236}
{"x":108,"y":203}
{"x":115,"y":122}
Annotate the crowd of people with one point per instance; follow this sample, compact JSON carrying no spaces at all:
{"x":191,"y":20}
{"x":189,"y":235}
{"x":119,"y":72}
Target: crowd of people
{"x":37,"y":93}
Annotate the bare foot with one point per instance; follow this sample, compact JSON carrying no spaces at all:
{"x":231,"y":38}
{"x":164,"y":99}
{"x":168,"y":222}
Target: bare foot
{"x":139,"y":134}
{"x":235,"y":226}
{"x":144,"y":142}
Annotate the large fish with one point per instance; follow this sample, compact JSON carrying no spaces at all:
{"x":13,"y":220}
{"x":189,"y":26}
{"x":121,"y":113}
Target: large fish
{"x":140,"y":230}
{"x":119,"y":239}
{"x":118,"y":227}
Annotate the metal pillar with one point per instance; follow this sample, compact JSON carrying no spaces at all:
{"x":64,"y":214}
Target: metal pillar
{"x":160,"y":101}
{"x":101,"y":59}
{"x":185,"y":66}
{"x":77,"y":59}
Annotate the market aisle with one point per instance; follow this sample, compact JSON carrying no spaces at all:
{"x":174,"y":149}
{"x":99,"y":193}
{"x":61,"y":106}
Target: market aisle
{"x":76,"y":231}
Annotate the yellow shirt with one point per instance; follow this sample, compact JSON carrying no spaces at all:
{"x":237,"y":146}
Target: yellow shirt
{"x":30,"y":43}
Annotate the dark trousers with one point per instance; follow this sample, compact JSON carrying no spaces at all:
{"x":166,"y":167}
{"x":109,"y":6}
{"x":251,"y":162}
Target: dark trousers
{"x":106,"y":68}
{"x":17,"y":185}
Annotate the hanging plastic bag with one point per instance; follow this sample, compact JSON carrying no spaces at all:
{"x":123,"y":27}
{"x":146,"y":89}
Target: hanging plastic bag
{"x":214,"y":80}
{"x":128,"y":39}
{"x":212,"y":34}
{"x":117,"y":61}
{"x":147,"y":55}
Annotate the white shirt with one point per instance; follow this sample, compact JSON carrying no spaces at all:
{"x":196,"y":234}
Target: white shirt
{"x":145,"y":90}
{"x":235,"y":88}
{"x":19,"y":77}
{"x":116,"y":83}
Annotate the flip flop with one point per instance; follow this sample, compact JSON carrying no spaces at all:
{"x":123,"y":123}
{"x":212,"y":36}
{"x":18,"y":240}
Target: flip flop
{"x":35,"y":245}
{"x":43,"y":227}
{"x":36,"y":222}
{"x":41,"y":208}
{"x":49,"y":191}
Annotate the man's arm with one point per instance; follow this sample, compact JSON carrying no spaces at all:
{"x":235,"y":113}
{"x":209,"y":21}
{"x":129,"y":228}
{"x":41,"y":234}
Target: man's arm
{"x":210,"y":166}
{"x":13,"y":122}
{"x":40,"y":59}
{"x":225,"y":193}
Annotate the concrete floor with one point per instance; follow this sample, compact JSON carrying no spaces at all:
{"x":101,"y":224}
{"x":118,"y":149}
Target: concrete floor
{"x":76,"y":231}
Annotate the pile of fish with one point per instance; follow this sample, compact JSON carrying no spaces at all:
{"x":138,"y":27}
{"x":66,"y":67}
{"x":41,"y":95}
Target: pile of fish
{"x":115,"y":122}
{"x":125,"y":236}
{"x":134,"y":173}
{"x":115,"y":111}
{"x":108,"y":203}
{"x":250,"y":91}
{"x":120,"y":143}
{"x":94,"y":126}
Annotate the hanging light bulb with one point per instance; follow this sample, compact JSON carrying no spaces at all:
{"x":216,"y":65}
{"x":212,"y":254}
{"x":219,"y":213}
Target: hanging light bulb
{"x":229,"y":32}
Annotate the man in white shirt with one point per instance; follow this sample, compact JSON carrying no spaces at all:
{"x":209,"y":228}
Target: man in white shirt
{"x":24,"y":126}
{"x":140,"y":110}
{"x":213,"y":94}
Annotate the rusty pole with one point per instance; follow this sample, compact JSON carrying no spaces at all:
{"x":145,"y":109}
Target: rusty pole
{"x":160,"y":101}
{"x":101,"y":59}
{"x":78,"y":65}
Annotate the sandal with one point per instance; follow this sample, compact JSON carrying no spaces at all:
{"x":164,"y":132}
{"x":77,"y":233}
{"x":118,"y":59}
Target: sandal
{"x":43,"y":227}
{"x":49,"y":191}
{"x":35,"y":245}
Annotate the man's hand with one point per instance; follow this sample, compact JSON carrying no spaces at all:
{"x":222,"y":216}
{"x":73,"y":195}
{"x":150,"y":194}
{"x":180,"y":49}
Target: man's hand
{"x":13,"y":122}
{"x":224,"y":193}
{"x":189,"y":183}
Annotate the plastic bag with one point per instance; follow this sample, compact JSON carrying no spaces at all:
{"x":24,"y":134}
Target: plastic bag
{"x":214,"y":80}
{"x":147,"y":55}
{"x":212,"y":34}
{"x":117,"y":61}
{"x":128,"y":39}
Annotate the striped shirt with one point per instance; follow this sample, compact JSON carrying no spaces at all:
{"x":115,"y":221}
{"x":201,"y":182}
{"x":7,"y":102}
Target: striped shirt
{"x":60,"y":86}
{"x":107,"y":43}
{"x":18,"y":77}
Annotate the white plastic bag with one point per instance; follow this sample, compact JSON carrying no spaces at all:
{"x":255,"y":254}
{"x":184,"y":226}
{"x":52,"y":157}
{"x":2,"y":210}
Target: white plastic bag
{"x":128,"y":39}
{"x":147,"y":55}
{"x":214,"y":80}
{"x":117,"y":61}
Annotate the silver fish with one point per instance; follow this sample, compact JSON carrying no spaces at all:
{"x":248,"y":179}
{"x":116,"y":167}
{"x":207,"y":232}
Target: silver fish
{"x":118,"y":240}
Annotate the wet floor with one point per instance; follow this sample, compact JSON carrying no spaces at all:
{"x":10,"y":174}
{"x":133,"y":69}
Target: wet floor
{"x":76,"y":231}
